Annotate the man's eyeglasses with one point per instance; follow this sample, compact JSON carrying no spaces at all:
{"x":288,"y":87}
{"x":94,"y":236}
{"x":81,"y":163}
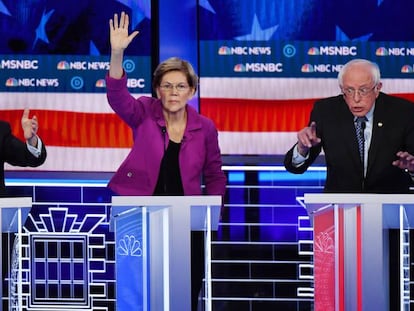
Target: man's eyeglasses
{"x":364,"y":91}
{"x":167,"y":87}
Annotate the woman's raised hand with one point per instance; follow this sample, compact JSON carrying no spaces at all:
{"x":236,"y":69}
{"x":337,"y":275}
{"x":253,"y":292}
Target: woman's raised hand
{"x":118,"y":30}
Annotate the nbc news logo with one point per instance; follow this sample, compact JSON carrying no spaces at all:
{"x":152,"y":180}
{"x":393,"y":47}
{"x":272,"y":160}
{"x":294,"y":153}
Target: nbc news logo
{"x":382,"y":51}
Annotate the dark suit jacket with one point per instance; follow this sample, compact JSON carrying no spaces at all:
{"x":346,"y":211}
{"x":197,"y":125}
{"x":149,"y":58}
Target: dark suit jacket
{"x":15,"y":152}
{"x":393,"y":131}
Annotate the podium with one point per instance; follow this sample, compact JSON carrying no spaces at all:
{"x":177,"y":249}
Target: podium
{"x":351,"y":249}
{"x":152,"y":246}
{"x":13,"y":213}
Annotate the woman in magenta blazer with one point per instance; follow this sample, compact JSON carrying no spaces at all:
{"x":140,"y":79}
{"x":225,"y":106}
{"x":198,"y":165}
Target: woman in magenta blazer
{"x":175,"y":149}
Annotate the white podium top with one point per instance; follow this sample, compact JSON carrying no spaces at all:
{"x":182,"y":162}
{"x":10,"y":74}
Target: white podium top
{"x":211,"y":200}
{"x":198,"y":215}
{"x":357,"y":198}
{"x":15,"y":202}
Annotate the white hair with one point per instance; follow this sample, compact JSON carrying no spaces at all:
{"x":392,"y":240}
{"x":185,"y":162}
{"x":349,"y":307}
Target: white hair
{"x":376,"y":75}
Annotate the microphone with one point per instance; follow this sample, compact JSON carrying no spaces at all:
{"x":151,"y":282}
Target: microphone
{"x":363,"y":126}
{"x":163,"y":131}
{"x":164,"y":172}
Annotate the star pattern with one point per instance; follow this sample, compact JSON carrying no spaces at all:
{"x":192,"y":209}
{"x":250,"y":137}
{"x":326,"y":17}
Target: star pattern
{"x":141,"y":9}
{"x":206,"y":5}
{"x":341,"y":36}
{"x":3,"y":9}
{"x":41,"y":29}
{"x":257,"y":33}
{"x":242,"y":20}
{"x":305,"y":20}
{"x":93,"y":50}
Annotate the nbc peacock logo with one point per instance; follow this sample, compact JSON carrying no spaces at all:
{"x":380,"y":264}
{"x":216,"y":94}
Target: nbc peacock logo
{"x":11,"y":82}
{"x":406,"y":69}
{"x":224,"y":50}
{"x":381,"y":51}
{"x":313,"y":51}
{"x":239,"y":68}
{"x":100,"y":83}
{"x":63,"y":65}
{"x":307,"y":68}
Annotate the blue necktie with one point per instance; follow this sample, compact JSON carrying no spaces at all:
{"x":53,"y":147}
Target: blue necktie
{"x":360,"y":127}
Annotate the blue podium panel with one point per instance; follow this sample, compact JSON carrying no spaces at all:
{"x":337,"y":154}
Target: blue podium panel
{"x":153,"y":259}
{"x":131,"y":256}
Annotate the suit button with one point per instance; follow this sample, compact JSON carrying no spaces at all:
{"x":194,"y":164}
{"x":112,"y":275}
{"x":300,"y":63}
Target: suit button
{"x":129,"y":174}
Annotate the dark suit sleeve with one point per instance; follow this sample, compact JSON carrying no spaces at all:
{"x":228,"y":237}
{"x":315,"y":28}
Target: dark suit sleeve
{"x":15,"y":152}
{"x":313,"y":152}
{"x":409,"y":141}
{"x":410,"y":129}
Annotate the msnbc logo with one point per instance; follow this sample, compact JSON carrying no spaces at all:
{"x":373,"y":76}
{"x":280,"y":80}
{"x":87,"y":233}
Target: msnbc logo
{"x":239,"y":68}
{"x":224,"y":50}
{"x":100,"y":83}
{"x":63,"y":65}
{"x":407,"y":69}
{"x":313,"y":51}
{"x":11,"y":82}
{"x":307,"y":68}
{"x":381,"y":51}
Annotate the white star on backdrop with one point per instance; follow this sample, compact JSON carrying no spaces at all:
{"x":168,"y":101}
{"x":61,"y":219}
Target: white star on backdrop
{"x":257,"y":33}
{"x":40,"y":30}
{"x":141,"y":9}
{"x":206,"y":4}
{"x":3,"y":9}
{"x":341,"y":36}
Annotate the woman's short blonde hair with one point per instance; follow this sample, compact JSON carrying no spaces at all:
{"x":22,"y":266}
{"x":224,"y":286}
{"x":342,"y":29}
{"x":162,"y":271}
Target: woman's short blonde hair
{"x":175,"y":64}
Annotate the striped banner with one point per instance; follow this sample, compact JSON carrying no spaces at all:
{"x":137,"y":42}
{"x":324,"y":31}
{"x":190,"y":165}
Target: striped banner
{"x":254,"y":116}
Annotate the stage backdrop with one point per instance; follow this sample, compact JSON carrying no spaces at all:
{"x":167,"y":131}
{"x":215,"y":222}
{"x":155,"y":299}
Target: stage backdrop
{"x":264,"y":62}
{"x":53,"y":58}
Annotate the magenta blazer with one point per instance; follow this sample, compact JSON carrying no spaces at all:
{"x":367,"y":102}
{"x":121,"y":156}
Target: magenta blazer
{"x":199,"y":158}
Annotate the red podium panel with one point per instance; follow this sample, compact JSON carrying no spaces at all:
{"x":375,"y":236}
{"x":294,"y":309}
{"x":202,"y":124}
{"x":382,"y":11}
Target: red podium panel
{"x":351,"y":249}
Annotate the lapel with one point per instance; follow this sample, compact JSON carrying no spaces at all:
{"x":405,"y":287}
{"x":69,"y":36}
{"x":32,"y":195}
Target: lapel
{"x":193,"y":122}
{"x":347,"y":128}
{"x":377,"y":132}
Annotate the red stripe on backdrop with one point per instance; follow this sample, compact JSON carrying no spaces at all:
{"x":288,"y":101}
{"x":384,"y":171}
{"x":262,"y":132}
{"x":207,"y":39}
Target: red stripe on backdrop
{"x":244,"y":115}
{"x":75,"y":129}
{"x":408,"y":96}
{"x":79,"y":129}
{"x":257,"y":115}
